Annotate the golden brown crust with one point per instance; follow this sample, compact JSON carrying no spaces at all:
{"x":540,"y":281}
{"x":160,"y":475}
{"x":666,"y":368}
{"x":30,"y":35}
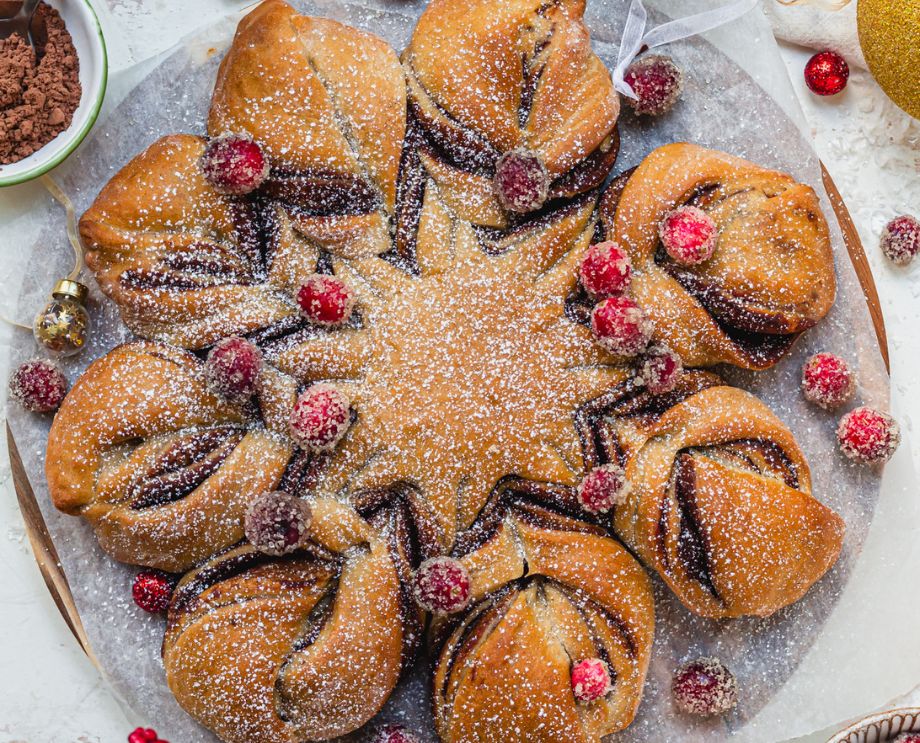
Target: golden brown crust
{"x":161,"y":468}
{"x":284,"y":650}
{"x":548,"y":591}
{"x":341,"y":117}
{"x":168,"y":249}
{"x":487,"y":78}
{"x":772,"y":274}
{"x":720,"y":503}
{"x":465,"y":57}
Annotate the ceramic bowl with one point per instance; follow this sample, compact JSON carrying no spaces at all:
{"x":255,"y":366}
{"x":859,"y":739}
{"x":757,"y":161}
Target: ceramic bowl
{"x":81,"y":21}
{"x":882,"y":727}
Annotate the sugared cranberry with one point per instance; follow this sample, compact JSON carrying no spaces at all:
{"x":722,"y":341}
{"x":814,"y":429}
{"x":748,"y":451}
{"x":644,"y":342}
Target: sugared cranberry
{"x":826,"y":73}
{"x":689,"y":235}
{"x":603,"y":488}
{"x":521,"y":181}
{"x":442,"y":586}
{"x":277,"y":523}
{"x":590,"y":680}
{"x":657,"y":82}
{"x":605,"y":270}
{"x":320,"y":418}
{"x":234,"y":164}
{"x":326,"y":300}
{"x":660,"y":369}
{"x":151,"y":590}
{"x":868,"y":436}
{"x":38,"y":385}
{"x":901,"y":239}
{"x":233,"y":368}
{"x":393,"y":734}
{"x":620,"y":326}
{"x":145,"y":735}
{"x":908,"y":738}
{"x":827,"y":380}
{"x":704,"y":687}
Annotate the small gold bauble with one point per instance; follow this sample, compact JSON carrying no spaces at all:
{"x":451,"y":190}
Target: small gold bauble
{"x":63,"y":325}
{"x":889,"y":34}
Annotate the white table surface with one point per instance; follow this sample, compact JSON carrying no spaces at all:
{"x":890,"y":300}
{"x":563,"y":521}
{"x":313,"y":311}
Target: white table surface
{"x":50,"y":693}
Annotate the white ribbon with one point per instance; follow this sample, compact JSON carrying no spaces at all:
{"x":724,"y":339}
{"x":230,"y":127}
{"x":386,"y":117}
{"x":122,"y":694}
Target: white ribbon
{"x":635,"y":36}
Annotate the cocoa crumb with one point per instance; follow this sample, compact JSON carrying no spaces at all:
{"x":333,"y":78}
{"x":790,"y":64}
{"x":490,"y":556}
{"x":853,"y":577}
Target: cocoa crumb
{"x":38,"y":92}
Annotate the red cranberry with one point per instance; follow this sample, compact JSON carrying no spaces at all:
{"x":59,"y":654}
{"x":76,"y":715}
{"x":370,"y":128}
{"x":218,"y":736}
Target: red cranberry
{"x":393,"y":734}
{"x":704,"y":687}
{"x":277,"y":523}
{"x":233,"y":368}
{"x":657,"y":82}
{"x":326,"y":300}
{"x":38,"y":385}
{"x":521,"y":181}
{"x":901,"y":239}
{"x":660,"y":369}
{"x":605,"y":270}
{"x":320,"y":418}
{"x":827,"y":380}
{"x":689,"y":235}
{"x":442,"y":586}
{"x":603,"y":488}
{"x":620,"y":326}
{"x":234,"y":164}
{"x":868,"y":436}
{"x":145,"y":735}
{"x":152,"y":590}
{"x":590,"y":680}
{"x":908,"y":738}
{"x":826,"y":73}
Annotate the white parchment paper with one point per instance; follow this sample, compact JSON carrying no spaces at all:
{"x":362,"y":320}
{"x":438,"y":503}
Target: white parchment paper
{"x":723,"y":107}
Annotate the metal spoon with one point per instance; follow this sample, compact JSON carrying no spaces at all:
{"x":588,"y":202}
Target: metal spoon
{"x":21,"y":23}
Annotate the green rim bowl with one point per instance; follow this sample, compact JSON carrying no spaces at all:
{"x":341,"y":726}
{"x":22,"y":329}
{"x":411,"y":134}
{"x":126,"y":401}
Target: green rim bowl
{"x":84,"y":27}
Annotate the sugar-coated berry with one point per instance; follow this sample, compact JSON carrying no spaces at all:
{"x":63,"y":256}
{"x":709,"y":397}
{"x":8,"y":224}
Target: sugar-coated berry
{"x":868,"y":436}
{"x":826,"y":73}
{"x":326,"y":300}
{"x":704,"y":687}
{"x":145,"y":735}
{"x":320,"y":418}
{"x":605,"y":270}
{"x":620,"y":326}
{"x":442,"y":586}
{"x":900,"y":240}
{"x":660,"y":369}
{"x":277,"y":523}
{"x":689,"y":235}
{"x":827,"y":380}
{"x":908,"y":738}
{"x":657,"y":82}
{"x":233,"y":367}
{"x":152,"y":590}
{"x":38,"y":385}
{"x":521,"y":181}
{"x":590,"y":680}
{"x":393,"y":734}
{"x":234,"y":164}
{"x":603,"y":488}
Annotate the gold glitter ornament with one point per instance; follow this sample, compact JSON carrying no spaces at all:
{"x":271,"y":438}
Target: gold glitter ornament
{"x":889,"y":34}
{"x":63,"y":325}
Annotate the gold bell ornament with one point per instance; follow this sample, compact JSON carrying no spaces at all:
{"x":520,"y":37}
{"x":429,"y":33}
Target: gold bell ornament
{"x":63,"y":325}
{"x":889,"y":34}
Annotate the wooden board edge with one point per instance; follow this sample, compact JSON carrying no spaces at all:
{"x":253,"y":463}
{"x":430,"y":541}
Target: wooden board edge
{"x":860,"y":264}
{"x":43,"y":548}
